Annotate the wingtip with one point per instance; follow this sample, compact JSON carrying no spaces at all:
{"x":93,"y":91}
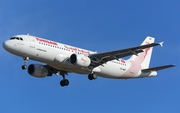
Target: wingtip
{"x":173,"y":65}
{"x":161,"y":43}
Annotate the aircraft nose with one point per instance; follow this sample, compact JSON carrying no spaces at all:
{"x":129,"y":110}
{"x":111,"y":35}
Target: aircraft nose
{"x":6,"y":45}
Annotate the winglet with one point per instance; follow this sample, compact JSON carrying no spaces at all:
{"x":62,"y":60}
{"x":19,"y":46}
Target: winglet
{"x":161,"y":43}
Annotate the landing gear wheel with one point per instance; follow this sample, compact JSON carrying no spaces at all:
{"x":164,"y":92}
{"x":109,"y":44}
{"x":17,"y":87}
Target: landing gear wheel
{"x":64,"y":82}
{"x":92,"y":76}
{"x":24,"y":67}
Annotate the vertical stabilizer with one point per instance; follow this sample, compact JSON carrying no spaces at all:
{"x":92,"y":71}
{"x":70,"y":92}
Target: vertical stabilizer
{"x":144,"y":58}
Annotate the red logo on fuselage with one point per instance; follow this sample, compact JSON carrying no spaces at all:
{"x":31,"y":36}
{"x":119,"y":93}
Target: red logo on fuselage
{"x":75,"y":49}
{"x":123,"y":61}
{"x":46,"y":41}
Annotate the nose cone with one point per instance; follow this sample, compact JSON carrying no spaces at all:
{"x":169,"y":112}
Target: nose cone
{"x":7,"y":45}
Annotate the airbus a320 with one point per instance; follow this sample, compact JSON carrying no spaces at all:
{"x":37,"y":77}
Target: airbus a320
{"x":62,"y":59}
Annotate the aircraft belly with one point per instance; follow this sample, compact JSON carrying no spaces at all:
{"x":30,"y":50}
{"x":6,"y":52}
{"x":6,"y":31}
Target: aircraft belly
{"x":112,"y":70}
{"x":71,"y":68}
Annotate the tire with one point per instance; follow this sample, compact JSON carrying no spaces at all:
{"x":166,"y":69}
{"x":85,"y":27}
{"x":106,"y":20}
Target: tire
{"x":24,"y":67}
{"x":66,"y":82}
{"x":90,"y":76}
{"x":62,"y":83}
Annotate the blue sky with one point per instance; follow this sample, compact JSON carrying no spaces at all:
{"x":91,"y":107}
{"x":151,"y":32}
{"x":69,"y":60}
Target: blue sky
{"x":97,"y":25}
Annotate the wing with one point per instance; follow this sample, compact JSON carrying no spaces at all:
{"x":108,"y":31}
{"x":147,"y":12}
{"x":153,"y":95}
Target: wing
{"x":101,"y":58}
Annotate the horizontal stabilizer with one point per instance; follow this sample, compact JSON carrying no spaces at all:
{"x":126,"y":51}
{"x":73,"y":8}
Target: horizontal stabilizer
{"x":158,"y":68}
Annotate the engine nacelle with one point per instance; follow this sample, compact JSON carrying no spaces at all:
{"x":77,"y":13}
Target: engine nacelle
{"x":38,"y":70}
{"x":80,"y":60}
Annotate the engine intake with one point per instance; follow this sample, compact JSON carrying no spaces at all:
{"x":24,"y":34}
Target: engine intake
{"x":37,"y":70}
{"x":80,"y":60}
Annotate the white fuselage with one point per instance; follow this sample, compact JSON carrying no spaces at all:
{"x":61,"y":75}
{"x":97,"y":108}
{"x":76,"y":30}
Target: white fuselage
{"x":46,"y":51}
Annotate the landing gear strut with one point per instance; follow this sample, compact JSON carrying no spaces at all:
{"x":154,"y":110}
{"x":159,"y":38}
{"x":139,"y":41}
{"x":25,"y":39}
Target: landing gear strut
{"x":64,"y":82}
{"x":25,"y":63}
{"x":92,"y":76}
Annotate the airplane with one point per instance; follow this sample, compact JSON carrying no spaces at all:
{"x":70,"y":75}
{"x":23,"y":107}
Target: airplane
{"x":63,"y":59}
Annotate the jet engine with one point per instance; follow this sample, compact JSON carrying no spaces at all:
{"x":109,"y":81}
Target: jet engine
{"x":38,"y":70}
{"x":80,"y":60}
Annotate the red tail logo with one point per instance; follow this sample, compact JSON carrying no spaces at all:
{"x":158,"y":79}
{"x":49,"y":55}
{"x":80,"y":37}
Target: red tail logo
{"x":146,"y":50}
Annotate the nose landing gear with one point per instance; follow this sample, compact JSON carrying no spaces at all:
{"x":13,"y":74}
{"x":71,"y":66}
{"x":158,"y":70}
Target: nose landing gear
{"x":25,"y":63}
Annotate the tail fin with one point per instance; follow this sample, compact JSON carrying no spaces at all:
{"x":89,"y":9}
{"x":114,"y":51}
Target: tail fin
{"x":144,"y":58}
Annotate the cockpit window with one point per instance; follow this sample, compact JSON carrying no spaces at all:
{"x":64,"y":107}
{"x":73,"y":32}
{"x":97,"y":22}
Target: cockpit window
{"x":13,"y":38}
{"x":17,"y":38}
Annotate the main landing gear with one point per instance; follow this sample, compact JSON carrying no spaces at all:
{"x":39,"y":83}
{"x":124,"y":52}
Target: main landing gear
{"x":92,"y":76}
{"x":64,"y":82}
{"x":25,"y":63}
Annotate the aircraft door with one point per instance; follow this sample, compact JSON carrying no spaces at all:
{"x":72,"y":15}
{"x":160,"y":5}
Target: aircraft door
{"x":32,"y":41}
